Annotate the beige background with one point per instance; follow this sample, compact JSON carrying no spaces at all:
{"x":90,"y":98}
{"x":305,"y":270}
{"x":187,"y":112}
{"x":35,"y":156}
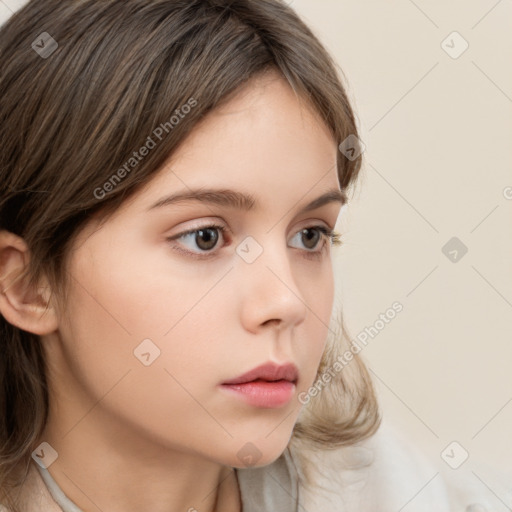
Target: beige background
{"x":438,"y":133}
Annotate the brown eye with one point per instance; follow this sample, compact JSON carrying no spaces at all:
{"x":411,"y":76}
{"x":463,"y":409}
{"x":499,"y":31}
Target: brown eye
{"x":200,"y":241}
{"x":315,"y":241}
{"x":206,"y":239}
{"x":310,"y":237}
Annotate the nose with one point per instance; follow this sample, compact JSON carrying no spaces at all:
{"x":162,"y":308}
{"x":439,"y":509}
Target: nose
{"x":268,"y":290}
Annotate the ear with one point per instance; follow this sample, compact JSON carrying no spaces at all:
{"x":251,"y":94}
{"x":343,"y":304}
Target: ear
{"x":26,"y":308}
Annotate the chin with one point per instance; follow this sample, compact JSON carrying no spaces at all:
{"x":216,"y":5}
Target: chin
{"x":257,"y":453}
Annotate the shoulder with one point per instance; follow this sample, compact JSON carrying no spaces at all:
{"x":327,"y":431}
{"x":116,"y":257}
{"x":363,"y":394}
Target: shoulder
{"x":33,"y":495}
{"x":387,"y":473}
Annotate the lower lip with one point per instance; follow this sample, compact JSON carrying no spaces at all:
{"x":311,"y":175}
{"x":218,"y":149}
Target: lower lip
{"x":261,"y":393}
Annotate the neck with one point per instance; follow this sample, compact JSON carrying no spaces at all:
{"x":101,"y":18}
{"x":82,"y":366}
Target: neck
{"x":100,"y":469}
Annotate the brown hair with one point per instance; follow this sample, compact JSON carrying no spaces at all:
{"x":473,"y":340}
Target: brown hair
{"x":83,"y":85}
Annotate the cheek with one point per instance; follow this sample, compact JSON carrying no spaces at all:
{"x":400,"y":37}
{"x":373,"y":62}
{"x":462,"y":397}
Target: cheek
{"x":134,"y":293}
{"x":112,"y":309}
{"x":320,"y":301}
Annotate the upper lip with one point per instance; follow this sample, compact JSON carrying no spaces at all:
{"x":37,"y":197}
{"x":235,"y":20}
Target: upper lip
{"x":269,"y":372}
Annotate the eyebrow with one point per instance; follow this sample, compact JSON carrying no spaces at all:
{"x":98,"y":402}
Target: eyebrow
{"x":240,"y":200}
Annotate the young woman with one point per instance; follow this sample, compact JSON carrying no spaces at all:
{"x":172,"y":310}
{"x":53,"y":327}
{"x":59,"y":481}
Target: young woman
{"x":170,"y":179}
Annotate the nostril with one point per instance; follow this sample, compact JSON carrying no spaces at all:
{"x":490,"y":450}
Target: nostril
{"x":272,"y":321}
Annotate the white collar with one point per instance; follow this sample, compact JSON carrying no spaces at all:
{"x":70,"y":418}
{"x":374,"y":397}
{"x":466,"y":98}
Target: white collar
{"x":272,"y":487}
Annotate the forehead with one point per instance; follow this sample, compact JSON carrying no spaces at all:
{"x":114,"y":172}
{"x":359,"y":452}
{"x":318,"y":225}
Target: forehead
{"x":265,"y":140}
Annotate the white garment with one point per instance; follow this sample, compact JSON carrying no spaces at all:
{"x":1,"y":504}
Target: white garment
{"x":382,"y":474}
{"x":387,"y":474}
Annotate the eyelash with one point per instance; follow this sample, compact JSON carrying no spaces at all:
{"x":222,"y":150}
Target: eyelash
{"x":327,"y":235}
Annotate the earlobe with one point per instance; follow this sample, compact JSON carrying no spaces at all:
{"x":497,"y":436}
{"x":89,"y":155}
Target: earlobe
{"x":25,"y":307}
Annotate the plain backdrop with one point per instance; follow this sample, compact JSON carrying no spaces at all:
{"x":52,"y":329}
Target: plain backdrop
{"x":429,"y":224}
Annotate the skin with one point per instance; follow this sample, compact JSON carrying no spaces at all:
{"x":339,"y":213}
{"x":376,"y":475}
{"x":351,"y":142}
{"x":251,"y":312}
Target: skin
{"x":163,"y":437}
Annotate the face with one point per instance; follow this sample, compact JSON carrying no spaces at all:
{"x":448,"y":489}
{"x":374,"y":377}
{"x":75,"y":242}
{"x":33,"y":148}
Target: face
{"x":157,"y":319}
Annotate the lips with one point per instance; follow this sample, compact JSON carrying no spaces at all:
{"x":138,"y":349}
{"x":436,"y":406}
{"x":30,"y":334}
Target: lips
{"x":268,"y":386}
{"x":269,"y":372}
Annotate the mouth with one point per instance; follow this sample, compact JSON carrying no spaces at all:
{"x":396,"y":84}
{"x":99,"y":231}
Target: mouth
{"x":267,"y":386}
{"x":268,"y":372}
{"x":263,"y":393}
